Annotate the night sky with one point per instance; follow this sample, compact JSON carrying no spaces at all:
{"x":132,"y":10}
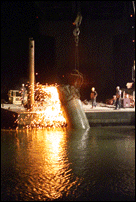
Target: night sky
{"x":106,"y":47}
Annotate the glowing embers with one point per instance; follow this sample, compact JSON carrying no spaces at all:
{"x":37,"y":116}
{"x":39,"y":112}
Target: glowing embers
{"x":47,"y":110}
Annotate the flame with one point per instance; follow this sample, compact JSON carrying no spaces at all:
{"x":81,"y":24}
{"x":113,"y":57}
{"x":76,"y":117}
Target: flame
{"x":47,"y":108}
{"x":50,"y":113}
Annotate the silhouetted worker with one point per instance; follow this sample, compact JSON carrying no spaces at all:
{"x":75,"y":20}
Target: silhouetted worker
{"x":23,"y":93}
{"x":93,"y":96}
{"x":118,"y":97}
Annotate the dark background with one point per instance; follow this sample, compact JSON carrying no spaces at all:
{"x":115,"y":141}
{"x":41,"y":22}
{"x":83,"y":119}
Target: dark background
{"x":106,"y":47}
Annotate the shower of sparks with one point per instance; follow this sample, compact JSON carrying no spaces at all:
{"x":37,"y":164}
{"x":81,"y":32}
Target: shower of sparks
{"x":47,"y":110}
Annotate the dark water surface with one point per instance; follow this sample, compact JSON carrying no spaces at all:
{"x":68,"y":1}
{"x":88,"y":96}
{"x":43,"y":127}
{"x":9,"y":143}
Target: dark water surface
{"x":45,"y":165}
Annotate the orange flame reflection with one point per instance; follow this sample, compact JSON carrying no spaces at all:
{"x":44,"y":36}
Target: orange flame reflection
{"x":46,"y":165}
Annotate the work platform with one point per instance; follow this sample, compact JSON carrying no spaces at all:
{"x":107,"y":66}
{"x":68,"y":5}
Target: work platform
{"x":101,"y":115}
{"x":106,"y":115}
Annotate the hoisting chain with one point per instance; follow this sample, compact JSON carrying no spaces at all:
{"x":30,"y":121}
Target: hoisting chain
{"x":78,"y":77}
{"x":76,"y":33}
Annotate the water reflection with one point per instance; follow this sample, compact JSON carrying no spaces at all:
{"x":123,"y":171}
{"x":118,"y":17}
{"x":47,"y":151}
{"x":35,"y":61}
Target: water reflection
{"x":44,"y":164}
{"x":105,"y":159}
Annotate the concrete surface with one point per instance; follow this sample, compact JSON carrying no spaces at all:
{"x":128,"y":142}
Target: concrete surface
{"x":105,"y":115}
{"x":101,"y":115}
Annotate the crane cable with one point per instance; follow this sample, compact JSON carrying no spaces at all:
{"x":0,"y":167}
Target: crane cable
{"x":76,"y":33}
{"x":78,"y":77}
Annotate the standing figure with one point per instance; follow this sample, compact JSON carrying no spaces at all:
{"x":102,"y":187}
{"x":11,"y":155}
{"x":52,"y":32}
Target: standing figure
{"x":23,"y":94}
{"x":93,"y":96}
{"x":118,"y":97}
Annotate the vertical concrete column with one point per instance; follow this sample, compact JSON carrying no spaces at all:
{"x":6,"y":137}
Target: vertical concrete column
{"x":31,"y":73}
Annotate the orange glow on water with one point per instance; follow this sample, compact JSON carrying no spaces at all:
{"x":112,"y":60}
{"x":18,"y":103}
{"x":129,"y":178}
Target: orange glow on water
{"x":47,"y":158}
